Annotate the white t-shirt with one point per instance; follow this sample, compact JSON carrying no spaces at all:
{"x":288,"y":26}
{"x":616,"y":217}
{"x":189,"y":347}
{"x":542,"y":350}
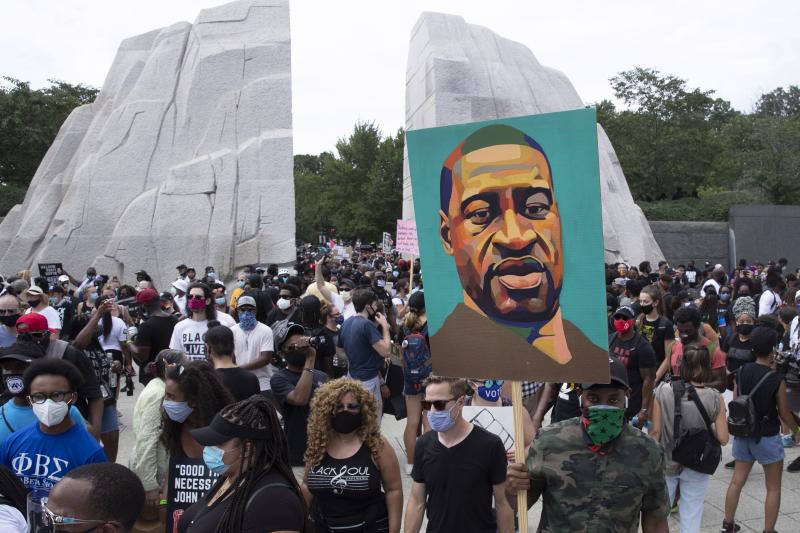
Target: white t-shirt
{"x":180,"y":302}
{"x":349,"y":310}
{"x":52,"y":316}
{"x":188,"y":337}
{"x":11,"y":520}
{"x":225,"y":319}
{"x":794,"y":333}
{"x":398,"y":301}
{"x":768,"y":302}
{"x":118,"y":335}
{"x":248,"y":345}
{"x":711,"y":282}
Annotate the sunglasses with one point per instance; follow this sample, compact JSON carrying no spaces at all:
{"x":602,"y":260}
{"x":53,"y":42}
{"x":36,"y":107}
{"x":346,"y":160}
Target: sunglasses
{"x":347,"y":407}
{"x":196,"y":297}
{"x":490,"y":383}
{"x":438,"y":405}
{"x":8,"y":312}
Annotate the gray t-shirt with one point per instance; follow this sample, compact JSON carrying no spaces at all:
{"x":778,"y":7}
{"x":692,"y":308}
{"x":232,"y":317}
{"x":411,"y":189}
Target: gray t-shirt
{"x":690,"y":418}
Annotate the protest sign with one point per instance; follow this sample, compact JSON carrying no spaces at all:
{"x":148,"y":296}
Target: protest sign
{"x":407,"y":237}
{"x":387,"y":242}
{"x":508,"y":215}
{"x":189,"y":480}
{"x":496,"y":420}
{"x":51,"y":271}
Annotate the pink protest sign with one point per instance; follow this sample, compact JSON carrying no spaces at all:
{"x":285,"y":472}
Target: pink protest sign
{"x":406,"y":241}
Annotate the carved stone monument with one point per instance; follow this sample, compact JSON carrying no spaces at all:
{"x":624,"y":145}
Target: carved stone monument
{"x":185,"y":156}
{"x":459,"y":72}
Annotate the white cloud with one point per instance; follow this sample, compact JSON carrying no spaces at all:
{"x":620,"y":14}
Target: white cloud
{"x":349,"y":56}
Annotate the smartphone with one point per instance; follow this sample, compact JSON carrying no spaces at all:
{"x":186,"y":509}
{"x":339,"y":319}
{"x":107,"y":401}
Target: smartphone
{"x":319,"y":256}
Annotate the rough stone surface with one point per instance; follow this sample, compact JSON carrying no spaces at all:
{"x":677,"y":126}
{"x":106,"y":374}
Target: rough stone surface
{"x":459,"y":72}
{"x":699,"y":241}
{"x":765,"y":233}
{"x":185,"y":156}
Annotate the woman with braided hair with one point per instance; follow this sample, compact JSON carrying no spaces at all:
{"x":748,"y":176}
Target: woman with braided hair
{"x":256,"y":490}
{"x":352,"y":473}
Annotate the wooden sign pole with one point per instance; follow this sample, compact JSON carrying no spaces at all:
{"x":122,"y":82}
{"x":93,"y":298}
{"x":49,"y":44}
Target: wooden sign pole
{"x":519,"y":451}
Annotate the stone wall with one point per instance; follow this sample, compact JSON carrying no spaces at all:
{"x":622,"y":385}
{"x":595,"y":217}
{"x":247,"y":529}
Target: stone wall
{"x":701,"y":241}
{"x":184,"y":157}
{"x":766,"y":232}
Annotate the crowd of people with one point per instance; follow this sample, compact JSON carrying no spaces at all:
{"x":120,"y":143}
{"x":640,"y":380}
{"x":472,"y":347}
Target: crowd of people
{"x":278,"y":382}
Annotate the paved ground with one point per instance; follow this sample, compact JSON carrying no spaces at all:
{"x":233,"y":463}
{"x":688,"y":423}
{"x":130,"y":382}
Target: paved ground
{"x":750,"y":513}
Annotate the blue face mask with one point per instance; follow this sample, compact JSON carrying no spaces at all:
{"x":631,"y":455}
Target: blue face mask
{"x":441,"y":421}
{"x":490,"y":390}
{"x":93,"y":297}
{"x":725,"y":296}
{"x":240,"y":283}
{"x":212,"y":457}
{"x":340,"y":320}
{"x":212,"y":275}
{"x":247,"y":320}
{"x":177,"y":411}
{"x":220,"y":301}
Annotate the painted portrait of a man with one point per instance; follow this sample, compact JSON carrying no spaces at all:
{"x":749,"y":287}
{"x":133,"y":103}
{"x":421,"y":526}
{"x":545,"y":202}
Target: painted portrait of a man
{"x":500,"y":223}
{"x":509,"y":222}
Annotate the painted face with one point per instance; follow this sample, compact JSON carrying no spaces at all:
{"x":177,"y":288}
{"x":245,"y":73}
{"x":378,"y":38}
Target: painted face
{"x":504,"y":231}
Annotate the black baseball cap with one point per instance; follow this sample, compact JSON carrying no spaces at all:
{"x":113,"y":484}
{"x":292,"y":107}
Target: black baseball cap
{"x":618,"y":375}
{"x":626,"y":311}
{"x":21,"y":351}
{"x":282,"y":331}
{"x":221,"y":430}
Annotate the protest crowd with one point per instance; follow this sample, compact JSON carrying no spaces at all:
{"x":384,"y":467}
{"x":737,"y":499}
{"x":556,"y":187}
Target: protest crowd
{"x":259,"y":403}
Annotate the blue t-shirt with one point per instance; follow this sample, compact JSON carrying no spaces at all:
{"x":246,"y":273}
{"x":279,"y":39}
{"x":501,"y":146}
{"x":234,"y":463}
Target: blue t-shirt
{"x":6,"y":338}
{"x":357,"y":337}
{"x":40,"y":460}
{"x":20,"y":417}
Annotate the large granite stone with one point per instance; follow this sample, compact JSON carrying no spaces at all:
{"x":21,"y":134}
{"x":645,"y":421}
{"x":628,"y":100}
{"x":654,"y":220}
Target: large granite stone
{"x":185,"y":156}
{"x":459,"y":72}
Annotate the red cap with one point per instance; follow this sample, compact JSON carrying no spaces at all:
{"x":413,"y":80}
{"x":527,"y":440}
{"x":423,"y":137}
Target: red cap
{"x":31,"y":323}
{"x":147,"y":295}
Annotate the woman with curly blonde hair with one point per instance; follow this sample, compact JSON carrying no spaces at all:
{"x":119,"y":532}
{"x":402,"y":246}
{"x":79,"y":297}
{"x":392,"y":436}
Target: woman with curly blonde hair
{"x":351,"y":469}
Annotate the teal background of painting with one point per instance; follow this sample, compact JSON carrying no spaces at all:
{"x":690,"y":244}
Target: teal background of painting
{"x":569,"y":140}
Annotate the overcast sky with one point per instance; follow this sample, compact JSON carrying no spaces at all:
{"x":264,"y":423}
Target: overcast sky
{"x":349,"y":57}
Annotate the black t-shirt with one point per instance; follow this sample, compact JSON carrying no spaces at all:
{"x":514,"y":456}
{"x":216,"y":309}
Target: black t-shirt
{"x":567,"y":404}
{"x":66,"y":310}
{"x":276,"y":314}
{"x":656,"y":333}
{"x":240,"y":382}
{"x":635,"y":353}
{"x":155,"y":332}
{"x":277,"y":508}
{"x":459,"y":480}
{"x":765,"y":398}
{"x":737,"y":351}
{"x":295,"y":417}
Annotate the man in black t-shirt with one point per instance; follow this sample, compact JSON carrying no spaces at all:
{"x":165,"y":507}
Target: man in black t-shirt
{"x":633,"y":350}
{"x":458,"y":467}
{"x":293,"y":386}
{"x":240,"y":383}
{"x":63,"y":304}
{"x":153,"y":334}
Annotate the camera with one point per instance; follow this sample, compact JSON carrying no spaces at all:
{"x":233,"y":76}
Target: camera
{"x":317,"y":341}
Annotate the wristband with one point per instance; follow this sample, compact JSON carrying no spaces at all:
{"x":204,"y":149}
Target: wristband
{"x":162,"y":502}
{"x":308,"y":370}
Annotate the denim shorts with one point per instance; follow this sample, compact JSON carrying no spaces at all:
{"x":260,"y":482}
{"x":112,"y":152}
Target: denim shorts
{"x":110,"y":420}
{"x":766,"y":451}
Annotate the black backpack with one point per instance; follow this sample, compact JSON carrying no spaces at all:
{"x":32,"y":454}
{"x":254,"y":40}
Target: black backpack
{"x":698,"y":449}
{"x":743,"y":419}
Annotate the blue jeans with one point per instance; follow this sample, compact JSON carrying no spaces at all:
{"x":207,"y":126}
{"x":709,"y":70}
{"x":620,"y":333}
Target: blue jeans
{"x":766,"y":451}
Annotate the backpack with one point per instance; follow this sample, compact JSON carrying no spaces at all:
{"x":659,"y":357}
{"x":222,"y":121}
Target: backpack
{"x":743,"y":420}
{"x":697,"y":449}
{"x":417,"y":356}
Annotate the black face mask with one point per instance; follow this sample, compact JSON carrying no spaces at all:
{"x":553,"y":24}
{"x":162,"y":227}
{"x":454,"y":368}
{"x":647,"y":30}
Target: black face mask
{"x":43,"y":342}
{"x":9,"y":320}
{"x":686,"y":339}
{"x":744,"y":329}
{"x":346,"y":421}
{"x":34,"y":303}
{"x":647,"y":309}
{"x":296,"y":358}
{"x":13,"y":383}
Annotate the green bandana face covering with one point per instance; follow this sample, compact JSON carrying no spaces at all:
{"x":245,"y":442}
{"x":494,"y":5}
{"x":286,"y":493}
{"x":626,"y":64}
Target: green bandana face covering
{"x":603,"y":422}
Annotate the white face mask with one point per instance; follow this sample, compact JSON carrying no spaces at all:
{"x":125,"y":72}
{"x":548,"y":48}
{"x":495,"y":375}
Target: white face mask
{"x":284,"y":304}
{"x":346,"y":296}
{"x":51,"y":413}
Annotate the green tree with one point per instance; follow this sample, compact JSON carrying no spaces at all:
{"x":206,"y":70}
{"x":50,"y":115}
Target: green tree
{"x":666,"y":138}
{"x":29,"y":122}
{"x":358,"y":190}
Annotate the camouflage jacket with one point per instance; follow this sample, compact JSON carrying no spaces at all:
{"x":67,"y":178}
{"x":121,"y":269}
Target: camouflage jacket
{"x":596,"y":492}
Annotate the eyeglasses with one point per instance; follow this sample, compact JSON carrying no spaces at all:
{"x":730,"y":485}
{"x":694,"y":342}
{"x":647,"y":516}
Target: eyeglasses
{"x":348,"y":407}
{"x":38,"y":335}
{"x":8,"y":312}
{"x":56,"y":396}
{"x":196,"y":297}
{"x":438,"y":405}
{"x":489,"y":383}
{"x":52,"y":522}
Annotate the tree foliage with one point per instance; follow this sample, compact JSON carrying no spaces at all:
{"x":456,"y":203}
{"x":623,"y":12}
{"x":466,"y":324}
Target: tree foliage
{"x":674,"y":141}
{"x":356,"y":192}
{"x":29,"y":122}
